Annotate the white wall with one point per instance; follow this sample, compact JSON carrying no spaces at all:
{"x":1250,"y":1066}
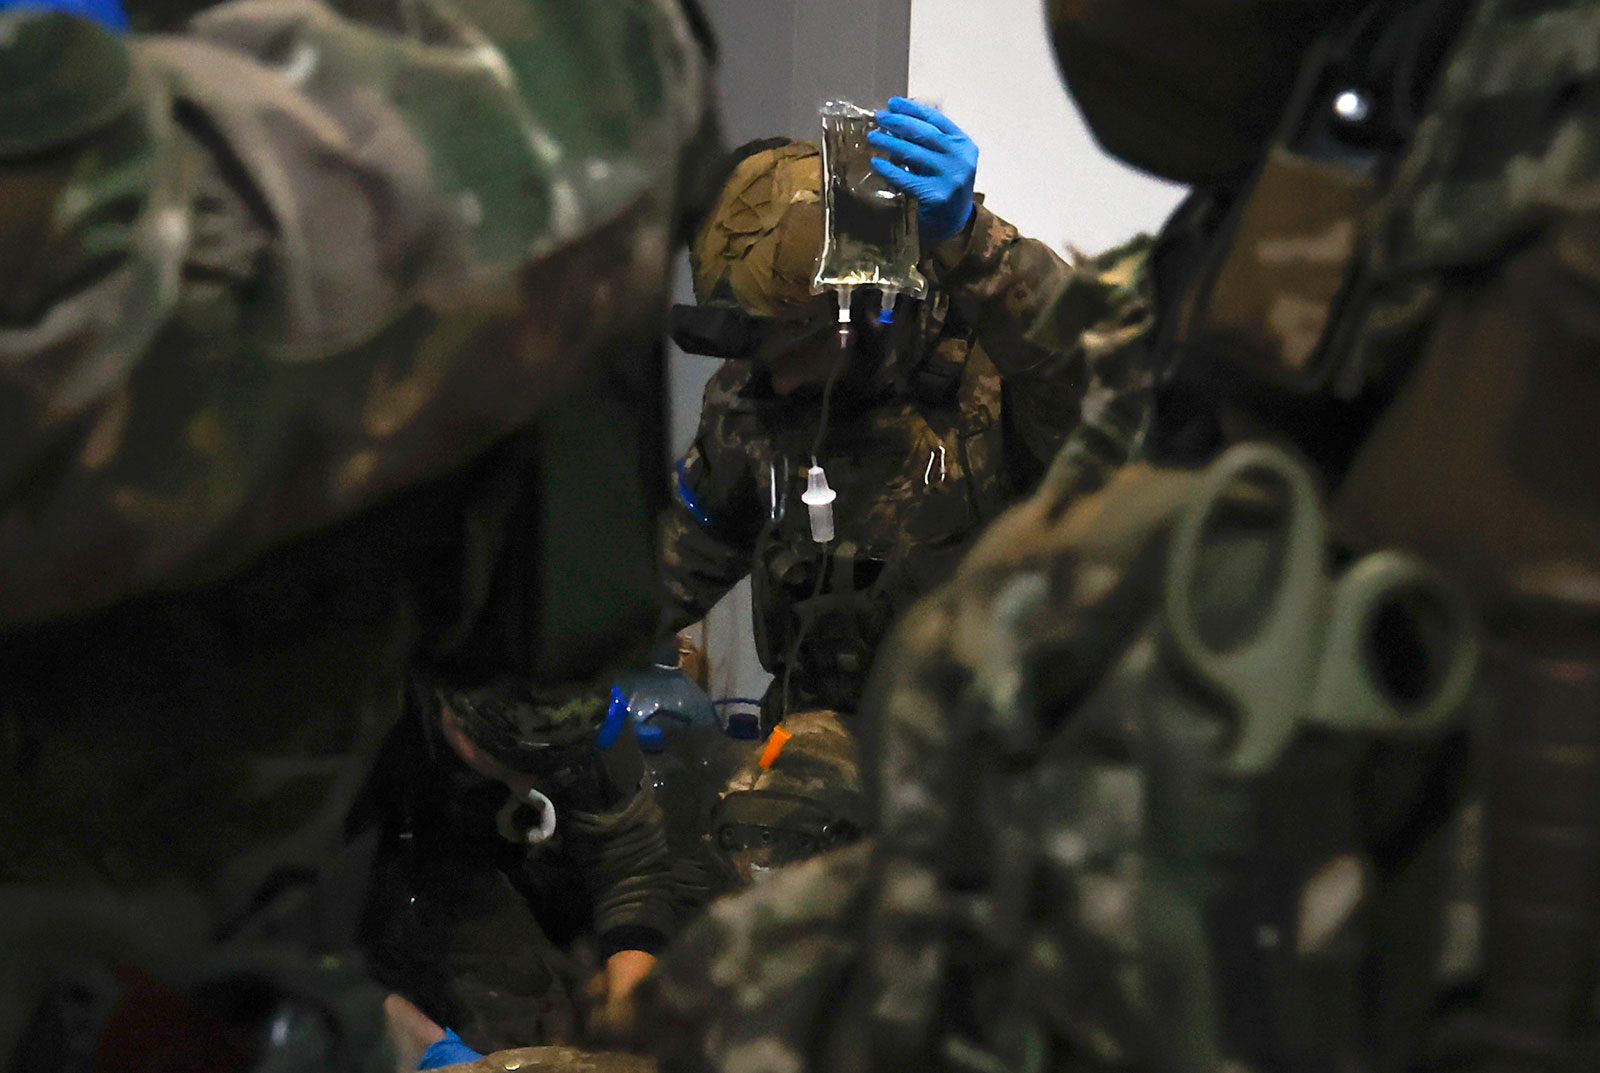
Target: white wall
{"x":989,"y":66}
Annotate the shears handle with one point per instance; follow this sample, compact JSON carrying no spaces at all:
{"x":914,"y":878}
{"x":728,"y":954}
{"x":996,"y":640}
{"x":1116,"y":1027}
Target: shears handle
{"x":1257,"y":521}
{"x":1391,"y":647}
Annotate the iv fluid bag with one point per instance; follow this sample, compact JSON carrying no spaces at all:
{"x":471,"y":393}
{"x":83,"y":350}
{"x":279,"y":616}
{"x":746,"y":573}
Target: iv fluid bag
{"x":871,"y":228}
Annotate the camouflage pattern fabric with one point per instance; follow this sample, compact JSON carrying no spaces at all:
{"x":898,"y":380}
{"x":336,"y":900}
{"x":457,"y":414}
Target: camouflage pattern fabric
{"x":1501,"y":395}
{"x":383,"y":242}
{"x":1103,"y":316}
{"x":297,"y":318}
{"x":756,"y":984}
{"x":916,"y":476}
{"x":796,"y":794}
{"x":1077,"y":869}
{"x":1494,"y":108}
{"x":815,"y":754}
{"x":1063,"y":866}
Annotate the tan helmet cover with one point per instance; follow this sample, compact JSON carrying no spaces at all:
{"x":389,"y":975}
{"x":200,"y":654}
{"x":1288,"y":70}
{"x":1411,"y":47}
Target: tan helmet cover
{"x":818,"y":759}
{"x":764,"y":235}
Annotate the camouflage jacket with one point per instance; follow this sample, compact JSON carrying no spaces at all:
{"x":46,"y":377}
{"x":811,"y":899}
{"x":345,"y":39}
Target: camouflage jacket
{"x":297,"y":312}
{"x":479,"y":929}
{"x":287,"y":218}
{"x":1078,"y":868}
{"x":956,"y":423}
{"x":1077,"y":844}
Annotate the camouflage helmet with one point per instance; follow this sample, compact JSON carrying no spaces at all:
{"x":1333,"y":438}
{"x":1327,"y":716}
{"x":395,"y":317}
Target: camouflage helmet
{"x":1185,"y":89}
{"x":60,"y":76}
{"x":529,"y":729}
{"x":759,"y":245}
{"x":795,"y":795}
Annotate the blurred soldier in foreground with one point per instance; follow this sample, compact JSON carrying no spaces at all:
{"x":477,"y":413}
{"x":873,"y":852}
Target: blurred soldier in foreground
{"x":927,"y":426}
{"x":1192,"y":774}
{"x":297,"y":317}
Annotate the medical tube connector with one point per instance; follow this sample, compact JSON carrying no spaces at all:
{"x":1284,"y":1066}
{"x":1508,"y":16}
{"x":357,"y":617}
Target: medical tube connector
{"x":886,"y":308}
{"x":818,"y":498}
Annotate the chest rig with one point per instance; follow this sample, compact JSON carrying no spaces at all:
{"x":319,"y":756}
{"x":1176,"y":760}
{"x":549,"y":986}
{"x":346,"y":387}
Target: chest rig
{"x":918,"y":466}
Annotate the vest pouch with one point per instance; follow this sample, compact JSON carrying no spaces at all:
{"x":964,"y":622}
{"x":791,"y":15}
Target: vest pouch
{"x":1279,"y":282}
{"x":784,"y":574}
{"x":829,"y":632}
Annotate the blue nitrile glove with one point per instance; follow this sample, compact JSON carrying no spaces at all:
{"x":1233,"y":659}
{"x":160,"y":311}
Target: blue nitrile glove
{"x":449,"y":1051}
{"x":931,"y":159}
{"x":107,"y":13}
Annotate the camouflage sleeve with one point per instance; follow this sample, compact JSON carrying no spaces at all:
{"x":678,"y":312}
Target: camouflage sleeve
{"x":298,"y":263}
{"x":1102,"y":315}
{"x":952,"y":716}
{"x":999,"y":281}
{"x":708,"y":533}
{"x":749,"y":985}
{"x":627,"y":870}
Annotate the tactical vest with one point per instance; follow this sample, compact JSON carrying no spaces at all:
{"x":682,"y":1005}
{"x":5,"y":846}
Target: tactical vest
{"x":917,"y":473}
{"x":1315,"y":294}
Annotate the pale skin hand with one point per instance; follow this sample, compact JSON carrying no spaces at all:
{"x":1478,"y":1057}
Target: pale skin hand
{"x":625,"y":968}
{"x":612,"y":990}
{"x":410,"y":1030}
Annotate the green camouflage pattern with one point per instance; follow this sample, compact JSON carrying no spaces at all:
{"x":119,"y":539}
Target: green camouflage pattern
{"x":403,"y":242}
{"x":291,"y":337}
{"x":1103,"y":314}
{"x":756,"y":983}
{"x":1087,"y":858}
{"x":916,"y":479}
{"x":819,"y":756}
{"x":1067,"y":816}
{"x":1506,"y":152}
{"x":1507,"y":143}
{"x":777,"y":810}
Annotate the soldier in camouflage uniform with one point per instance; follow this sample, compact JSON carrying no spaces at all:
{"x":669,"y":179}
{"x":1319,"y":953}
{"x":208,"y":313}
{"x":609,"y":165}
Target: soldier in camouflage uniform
{"x":298,"y":316}
{"x":522,"y":854}
{"x":1195,"y":774}
{"x":795,"y":795}
{"x":935,"y":424}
